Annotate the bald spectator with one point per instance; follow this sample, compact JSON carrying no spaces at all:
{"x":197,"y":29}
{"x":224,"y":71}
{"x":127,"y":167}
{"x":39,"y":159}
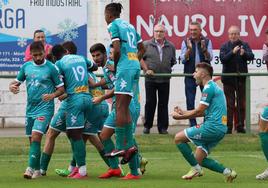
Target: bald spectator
{"x":39,"y":35}
{"x":194,"y":50}
{"x":234,"y":55}
{"x":159,"y":57}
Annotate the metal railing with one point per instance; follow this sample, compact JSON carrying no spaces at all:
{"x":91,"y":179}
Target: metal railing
{"x":248,"y":86}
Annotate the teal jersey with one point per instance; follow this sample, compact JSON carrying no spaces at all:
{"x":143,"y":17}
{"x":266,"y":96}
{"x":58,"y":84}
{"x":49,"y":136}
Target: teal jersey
{"x":216,"y":113}
{"x":97,"y":91}
{"x":136,"y":95}
{"x":40,"y":80}
{"x":74,"y":68}
{"x":129,"y":39}
{"x":108,"y":75}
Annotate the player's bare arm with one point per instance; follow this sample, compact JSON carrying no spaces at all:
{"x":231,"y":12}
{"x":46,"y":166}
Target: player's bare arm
{"x":178,"y":114}
{"x":97,"y":100}
{"x":59,"y":91}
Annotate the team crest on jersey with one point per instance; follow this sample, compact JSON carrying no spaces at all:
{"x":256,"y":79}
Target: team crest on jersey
{"x":41,"y":118}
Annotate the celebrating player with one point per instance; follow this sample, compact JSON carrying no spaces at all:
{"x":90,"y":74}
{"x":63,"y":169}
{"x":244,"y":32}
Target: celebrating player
{"x":206,"y":136}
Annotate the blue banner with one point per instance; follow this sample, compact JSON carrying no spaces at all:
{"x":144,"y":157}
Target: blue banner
{"x":61,"y":20}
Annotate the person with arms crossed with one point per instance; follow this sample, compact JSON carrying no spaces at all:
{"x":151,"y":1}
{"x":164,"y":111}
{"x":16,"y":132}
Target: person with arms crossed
{"x":41,"y":80}
{"x":207,"y":135}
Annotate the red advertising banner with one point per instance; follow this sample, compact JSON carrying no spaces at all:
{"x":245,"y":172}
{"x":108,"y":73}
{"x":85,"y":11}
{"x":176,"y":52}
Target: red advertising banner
{"x":215,"y":16}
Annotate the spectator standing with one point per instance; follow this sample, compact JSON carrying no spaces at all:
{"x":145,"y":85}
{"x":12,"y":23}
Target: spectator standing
{"x":159,"y":57}
{"x":234,"y":55}
{"x":39,"y":35}
{"x":194,"y":50}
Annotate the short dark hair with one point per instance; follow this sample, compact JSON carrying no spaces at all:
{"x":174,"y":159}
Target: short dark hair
{"x":38,"y":31}
{"x":114,"y":9}
{"x":98,"y":47}
{"x":70,"y":47}
{"x":205,"y":66}
{"x":196,"y":23}
{"x":37,"y":45}
{"x":58,"y":51}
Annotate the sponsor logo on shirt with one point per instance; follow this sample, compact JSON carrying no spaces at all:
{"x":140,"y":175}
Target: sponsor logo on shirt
{"x":81,"y":89}
{"x":41,"y":118}
{"x":97,"y":93}
{"x":132,"y":56}
{"x":224,"y":120}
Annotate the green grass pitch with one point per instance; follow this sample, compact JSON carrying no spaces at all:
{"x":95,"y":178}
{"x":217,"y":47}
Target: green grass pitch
{"x":165,"y":168}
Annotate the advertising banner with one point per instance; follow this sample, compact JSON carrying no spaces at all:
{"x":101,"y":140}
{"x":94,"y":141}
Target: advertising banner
{"x":215,"y":16}
{"x":61,"y":20}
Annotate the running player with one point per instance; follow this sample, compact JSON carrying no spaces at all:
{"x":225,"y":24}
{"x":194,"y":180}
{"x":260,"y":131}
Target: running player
{"x":206,"y":136}
{"x":41,"y":80}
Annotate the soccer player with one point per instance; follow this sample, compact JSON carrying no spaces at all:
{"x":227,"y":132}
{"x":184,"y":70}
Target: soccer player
{"x":206,"y":136}
{"x":98,"y":53}
{"x":127,"y":44}
{"x":263,"y":129}
{"x":58,"y":123}
{"x":41,"y":80}
{"x":74,"y":68}
{"x":99,"y":56}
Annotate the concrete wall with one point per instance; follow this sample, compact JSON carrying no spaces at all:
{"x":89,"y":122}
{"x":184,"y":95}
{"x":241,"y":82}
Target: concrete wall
{"x":13,"y":106}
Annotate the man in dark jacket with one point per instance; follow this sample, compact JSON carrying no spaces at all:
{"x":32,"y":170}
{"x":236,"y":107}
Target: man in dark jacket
{"x":160,"y":56}
{"x":194,"y":50}
{"x":234,"y":55}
